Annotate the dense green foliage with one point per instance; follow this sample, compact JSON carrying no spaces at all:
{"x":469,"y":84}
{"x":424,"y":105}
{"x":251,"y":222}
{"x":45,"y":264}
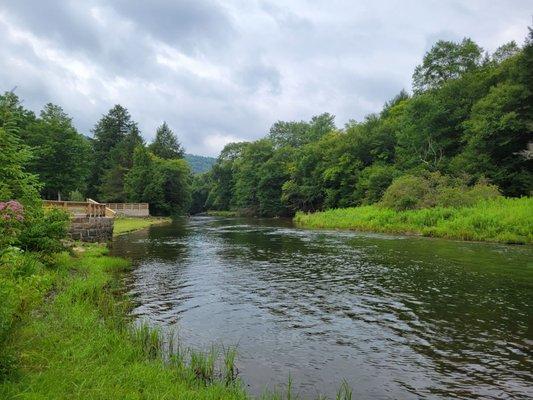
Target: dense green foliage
{"x":200,"y":164}
{"x":164,"y":183}
{"x":466,"y":129}
{"x":410,"y":192}
{"x":23,"y":221}
{"x":498,"y":220}
{"x":61,"y":163}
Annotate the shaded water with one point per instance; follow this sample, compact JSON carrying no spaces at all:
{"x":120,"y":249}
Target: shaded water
{"x":397,"y":317}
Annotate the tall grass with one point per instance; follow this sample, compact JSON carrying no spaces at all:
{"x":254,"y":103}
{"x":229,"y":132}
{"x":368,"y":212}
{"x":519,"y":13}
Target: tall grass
{"x":505,"y":220}
{"x":63,"y":330}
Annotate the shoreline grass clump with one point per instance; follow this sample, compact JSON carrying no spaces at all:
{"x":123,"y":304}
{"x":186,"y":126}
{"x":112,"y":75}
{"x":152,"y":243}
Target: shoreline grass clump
{"x":124,"y":225}
{"x":504,"y":220}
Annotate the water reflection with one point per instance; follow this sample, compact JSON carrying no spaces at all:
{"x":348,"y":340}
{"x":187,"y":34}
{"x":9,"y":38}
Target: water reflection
{"x":397,"y":317}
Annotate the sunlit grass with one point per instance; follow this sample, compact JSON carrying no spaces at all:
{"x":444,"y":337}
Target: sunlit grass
{"x":506,"y":220}
{"x":130,"y":224}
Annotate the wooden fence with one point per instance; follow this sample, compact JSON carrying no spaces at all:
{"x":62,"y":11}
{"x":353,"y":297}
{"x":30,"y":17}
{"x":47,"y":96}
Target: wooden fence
{"x":89,"y":208}
{"x":130,"y":209}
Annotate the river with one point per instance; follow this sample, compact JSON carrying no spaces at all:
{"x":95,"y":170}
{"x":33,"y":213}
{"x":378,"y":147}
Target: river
{"x":396,"y":317}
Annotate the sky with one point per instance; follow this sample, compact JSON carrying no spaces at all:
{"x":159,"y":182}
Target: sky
{"x":225,"y":71}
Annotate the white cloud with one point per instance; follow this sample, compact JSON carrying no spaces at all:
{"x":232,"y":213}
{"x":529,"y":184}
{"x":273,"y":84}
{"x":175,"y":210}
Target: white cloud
{"x":225,"y":71}
{"x":217,"y":141}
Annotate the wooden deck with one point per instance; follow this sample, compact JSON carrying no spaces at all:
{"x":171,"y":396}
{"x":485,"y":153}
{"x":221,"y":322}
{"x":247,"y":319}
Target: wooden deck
{"x":89,"y":208}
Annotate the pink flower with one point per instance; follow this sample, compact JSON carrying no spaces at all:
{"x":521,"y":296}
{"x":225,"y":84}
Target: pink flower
{"x":11,"y":209}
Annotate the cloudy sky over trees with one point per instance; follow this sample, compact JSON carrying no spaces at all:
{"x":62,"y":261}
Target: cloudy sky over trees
{"x":225,"y":71}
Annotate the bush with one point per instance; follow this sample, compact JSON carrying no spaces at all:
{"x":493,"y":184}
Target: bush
{"x":11,"y":222}
{"x":44,"y":230}
{"x":462,"y":196}
{"x":410,"y":192}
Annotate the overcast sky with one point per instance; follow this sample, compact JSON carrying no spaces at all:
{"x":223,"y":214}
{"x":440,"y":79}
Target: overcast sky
{"x":221,"y":71}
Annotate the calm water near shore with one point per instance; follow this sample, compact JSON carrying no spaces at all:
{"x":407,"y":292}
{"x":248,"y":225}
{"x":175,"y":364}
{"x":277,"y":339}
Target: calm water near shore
{"x":397,"y":317}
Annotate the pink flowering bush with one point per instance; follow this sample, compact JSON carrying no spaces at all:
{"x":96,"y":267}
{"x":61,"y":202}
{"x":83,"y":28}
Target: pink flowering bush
{"x":11,"y":221}
{"x":11,"y":210}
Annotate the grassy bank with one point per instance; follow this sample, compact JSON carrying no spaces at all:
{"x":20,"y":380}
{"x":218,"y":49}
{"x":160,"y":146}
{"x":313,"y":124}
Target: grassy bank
{"x":64,"y":334}
{"x":130,"y":224}
{"x":500,"y":220}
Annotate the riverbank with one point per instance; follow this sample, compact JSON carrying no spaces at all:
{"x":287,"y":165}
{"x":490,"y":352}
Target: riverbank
{"x":65,"y":333}
{"x":130,"y":224}
{"x":226,"y":213}
{"x":503,"y":220}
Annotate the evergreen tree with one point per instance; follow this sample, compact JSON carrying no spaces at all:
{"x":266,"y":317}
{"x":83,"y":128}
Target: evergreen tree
{"x":109,"y":132}
{"x":16,"y":183}
{"x":166,"y":144}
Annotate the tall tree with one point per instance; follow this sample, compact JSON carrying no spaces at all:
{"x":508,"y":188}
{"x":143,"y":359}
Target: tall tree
{"x":297,"y":134}
{"x":221,"y":193}
{"x":15,"y":181}
{"x":139,"y":176}
{"x":166,"y":144}
{"x":61,"y":154}
{"x":505,"y":51}
{"x":108,"y":132}
{"x":446,"y":60}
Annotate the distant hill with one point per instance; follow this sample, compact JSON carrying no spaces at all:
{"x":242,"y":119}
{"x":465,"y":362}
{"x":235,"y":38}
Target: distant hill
{"x":199,"y":164}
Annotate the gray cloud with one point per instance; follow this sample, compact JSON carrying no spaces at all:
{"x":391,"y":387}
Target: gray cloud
{"x":219,"y":71}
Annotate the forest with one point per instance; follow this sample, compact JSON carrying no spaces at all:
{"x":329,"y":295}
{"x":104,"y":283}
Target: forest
{"x":114,"y":165}
{"x":464,"y":134}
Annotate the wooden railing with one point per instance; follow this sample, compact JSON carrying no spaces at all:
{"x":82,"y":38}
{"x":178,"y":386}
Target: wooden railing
{"x":130,"y":209}
{"x":89,"y":208}
{"x":127,"y":206}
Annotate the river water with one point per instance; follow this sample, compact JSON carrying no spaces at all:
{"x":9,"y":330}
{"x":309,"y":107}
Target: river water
{"x":396,"y":317}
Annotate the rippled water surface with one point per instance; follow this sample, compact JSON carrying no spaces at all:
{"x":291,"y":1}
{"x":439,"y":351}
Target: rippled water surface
{"x":397,"y":317}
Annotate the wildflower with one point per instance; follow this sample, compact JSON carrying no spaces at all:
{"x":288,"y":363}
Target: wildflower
{"x":10,"y":210}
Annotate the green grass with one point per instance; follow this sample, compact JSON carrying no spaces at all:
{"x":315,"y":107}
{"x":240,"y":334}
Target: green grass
{"x":65,"y":334}
{"x":505,"y":220}
{"x":130,"y":224}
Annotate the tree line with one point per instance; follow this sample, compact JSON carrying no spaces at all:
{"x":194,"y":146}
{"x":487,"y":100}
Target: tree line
{"x":468,"y":122}
{"x":115,"y":165}
{"x":465,"y":129}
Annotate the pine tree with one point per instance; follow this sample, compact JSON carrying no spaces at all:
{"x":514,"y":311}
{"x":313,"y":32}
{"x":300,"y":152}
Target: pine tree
{"x":115,"y":137}
{"x":166,"y":144}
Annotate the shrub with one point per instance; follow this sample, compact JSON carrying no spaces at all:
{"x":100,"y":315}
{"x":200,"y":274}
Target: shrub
{"x":11,"y":222}
{"x":410,"y":192}
{"x":44,"y":230}
{"x":407,"y":192}
{"x":463,"y":196}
